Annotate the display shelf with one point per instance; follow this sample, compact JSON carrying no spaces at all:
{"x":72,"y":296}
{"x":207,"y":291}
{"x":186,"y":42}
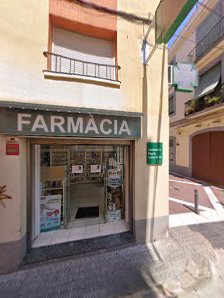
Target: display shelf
{"x":52,"y":188}
{"x":59,"y":157}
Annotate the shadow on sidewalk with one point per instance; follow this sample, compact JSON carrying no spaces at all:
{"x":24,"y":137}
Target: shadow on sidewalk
{"x":212,"y":231}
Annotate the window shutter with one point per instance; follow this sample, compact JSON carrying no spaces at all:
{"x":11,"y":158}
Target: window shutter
{"x":97,"y":52}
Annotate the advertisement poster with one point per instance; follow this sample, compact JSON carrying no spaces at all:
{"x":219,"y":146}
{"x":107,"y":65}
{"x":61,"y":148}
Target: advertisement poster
{"x":50,"y":212}
{"x":77,"y":169}
{"x":95,"y":168}
{"x":114,"y":194}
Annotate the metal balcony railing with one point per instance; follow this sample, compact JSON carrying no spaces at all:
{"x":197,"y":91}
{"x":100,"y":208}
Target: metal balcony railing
{"x":70,"y":66}
{"x":214,"y":35}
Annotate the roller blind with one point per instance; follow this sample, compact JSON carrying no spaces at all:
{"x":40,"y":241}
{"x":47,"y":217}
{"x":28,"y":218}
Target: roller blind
{"x":208,"y":81}
{"x":97,"y":52}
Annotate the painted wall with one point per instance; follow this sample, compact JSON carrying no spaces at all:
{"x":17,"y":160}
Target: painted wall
{"x":24,"y":39}
{"x":24,"y":36}
{"x":151,"y":87}
{"x":211,"y":121}
{"x":76,"y":18}
{"x":13,"y":175}
{"x":196,"y":123}
{"x":184,"y":46}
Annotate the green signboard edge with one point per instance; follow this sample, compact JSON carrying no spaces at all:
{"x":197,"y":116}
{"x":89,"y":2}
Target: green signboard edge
{"x":183,"y":90}
{"x":173,"y":28}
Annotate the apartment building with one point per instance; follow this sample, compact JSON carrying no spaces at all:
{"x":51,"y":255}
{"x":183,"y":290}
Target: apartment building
{"x":196,"y":119}
{"x":77,"y":109}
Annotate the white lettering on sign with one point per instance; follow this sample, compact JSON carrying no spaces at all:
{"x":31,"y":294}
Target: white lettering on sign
{"x":106,"y":132}
{"x":124,"y":128}
{"x":39,"y":123}
{"x":79,"y":125}
{"x":72,"y":127}
{"x":21,"y":120}
{"x":57,"y":121}
{"x":91,"y":126}
{"x":115,"y":127}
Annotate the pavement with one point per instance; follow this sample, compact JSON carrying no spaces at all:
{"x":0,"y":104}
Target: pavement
{"x":186,"y":264}
{"x":181,"y":201}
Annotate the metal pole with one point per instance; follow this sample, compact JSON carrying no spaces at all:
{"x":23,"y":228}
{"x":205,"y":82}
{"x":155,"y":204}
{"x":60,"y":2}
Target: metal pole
{"x":196,"y":201}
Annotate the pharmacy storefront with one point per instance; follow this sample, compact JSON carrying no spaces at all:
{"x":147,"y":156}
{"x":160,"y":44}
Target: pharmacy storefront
{"x":79,"y":165}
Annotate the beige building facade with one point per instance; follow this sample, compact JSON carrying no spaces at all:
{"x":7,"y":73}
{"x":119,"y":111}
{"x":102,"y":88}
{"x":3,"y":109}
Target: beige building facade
{"x":77,"y":108}
{"x":196,"y":119}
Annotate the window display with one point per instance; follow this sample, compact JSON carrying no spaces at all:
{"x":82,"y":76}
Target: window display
{"x":114,"y":194}
{"x":66,"y":169}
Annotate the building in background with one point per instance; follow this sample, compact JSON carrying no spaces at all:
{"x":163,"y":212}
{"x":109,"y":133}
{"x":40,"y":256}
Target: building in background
{"x":196,"y":119}
{"x":77,"y":108}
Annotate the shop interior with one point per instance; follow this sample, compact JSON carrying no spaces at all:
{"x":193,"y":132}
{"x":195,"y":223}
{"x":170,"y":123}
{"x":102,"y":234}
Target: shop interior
{"x":82,"y":190}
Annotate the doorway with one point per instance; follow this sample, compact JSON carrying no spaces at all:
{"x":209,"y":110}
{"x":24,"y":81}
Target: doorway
{"x":208,"y":157}
{"x":81,"y":186}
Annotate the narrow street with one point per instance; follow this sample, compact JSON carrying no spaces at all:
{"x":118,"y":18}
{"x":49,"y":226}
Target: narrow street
{"x":181,"y":202}
{"x":185,"y":264}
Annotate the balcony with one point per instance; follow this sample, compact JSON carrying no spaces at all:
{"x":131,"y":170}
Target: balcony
{"x":199,"y":104}
{"x":209,"y":41}
{"x":70,"y":68}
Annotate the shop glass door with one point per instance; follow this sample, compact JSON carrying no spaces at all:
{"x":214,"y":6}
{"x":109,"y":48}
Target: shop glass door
{"x":80,"y":185}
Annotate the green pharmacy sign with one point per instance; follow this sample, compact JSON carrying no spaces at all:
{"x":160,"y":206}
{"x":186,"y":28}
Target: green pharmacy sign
{"x":154,"y":154}
{"x":184,"y":77}
{"x":51,"y":123}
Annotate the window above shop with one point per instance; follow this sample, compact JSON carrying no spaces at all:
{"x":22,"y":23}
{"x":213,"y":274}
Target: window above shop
{"x":172,"y":107}
{"x":80,"y":56}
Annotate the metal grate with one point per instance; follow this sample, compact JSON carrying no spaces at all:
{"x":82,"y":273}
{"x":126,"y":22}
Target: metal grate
{"x":207,"y":42}
{"x":66,"y":65}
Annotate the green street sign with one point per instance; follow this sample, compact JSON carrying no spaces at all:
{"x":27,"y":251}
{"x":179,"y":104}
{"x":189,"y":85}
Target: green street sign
{"x":154,"y":154}
{"x":184,"y":77}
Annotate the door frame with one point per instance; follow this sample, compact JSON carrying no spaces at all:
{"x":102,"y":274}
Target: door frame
{"x":75,"y":141}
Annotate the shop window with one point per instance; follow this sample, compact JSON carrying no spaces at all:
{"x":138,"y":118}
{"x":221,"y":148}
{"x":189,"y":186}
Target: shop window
{"x":81,"y":183}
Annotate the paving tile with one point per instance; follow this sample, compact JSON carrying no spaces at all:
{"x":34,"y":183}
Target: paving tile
{"x":77,"y":231}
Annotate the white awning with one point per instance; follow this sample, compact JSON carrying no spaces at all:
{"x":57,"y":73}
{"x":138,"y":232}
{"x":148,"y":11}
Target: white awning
{"x":208,"y":81}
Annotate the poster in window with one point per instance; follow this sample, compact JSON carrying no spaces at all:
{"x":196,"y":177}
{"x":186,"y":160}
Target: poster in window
{"x":95,"y":168}
{"x":77,"y":169}
{"x":50,"y":212}
{"x":114,"y":194}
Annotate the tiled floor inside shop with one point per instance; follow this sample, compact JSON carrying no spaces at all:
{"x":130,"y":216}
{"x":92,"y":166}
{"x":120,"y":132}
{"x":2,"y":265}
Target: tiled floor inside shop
{"x":84,"y":232}
{"x":86,"y":195}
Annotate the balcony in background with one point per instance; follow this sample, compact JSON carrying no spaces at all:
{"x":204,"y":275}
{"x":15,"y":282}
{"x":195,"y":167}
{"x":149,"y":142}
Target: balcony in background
{"x":199,"y":104}
{"x":69,"y":67}
{"x":210,"y":40}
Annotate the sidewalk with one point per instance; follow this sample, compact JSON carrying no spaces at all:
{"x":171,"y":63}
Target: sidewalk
{"x":181,"y":199}
{"x":186,"y":264}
